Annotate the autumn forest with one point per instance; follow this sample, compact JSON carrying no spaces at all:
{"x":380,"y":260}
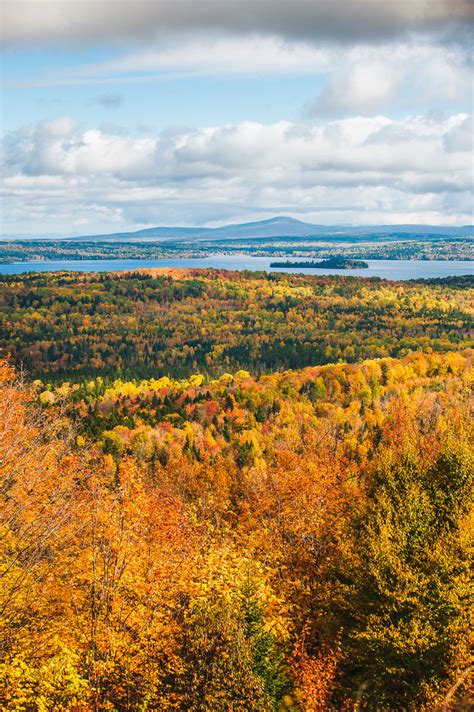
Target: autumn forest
{"x":228,"y":491}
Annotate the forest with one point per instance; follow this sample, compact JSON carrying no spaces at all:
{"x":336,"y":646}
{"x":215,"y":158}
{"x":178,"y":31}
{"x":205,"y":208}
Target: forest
{"x":235,"y":491}
{"x":179,"y":322}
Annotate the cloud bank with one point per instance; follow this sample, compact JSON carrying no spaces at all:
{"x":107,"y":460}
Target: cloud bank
{"x":53,"y":21}
{"x":357,"y":170}
{"x":384,"y":135}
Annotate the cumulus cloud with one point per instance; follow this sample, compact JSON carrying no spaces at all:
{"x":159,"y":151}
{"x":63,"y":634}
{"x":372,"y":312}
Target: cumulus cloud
{"x":367,"y":80}
{"x":358,"y":170}
{"x":53,"y":21}
{"x":461,"y":137}
{"x":361,"y":89}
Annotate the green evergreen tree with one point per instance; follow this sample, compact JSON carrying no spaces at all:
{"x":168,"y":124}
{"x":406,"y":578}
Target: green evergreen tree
{"x":402,"y":595}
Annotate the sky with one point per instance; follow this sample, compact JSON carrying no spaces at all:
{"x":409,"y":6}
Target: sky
{"x":123,"y":114}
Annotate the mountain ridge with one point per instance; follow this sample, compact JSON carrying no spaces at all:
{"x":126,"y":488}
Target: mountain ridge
{"x":278,"y":227}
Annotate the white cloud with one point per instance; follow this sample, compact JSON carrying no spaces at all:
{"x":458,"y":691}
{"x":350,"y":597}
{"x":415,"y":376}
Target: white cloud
{"x":394,"y":77}
{"x":362,"y":89}
{"x":358,"y":170}
{"x":460,"y":138}
{"x":225,"y":55}
{"x":189,"y":57}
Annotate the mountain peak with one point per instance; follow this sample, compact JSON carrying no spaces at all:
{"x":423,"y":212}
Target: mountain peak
{"x":279,"y":219}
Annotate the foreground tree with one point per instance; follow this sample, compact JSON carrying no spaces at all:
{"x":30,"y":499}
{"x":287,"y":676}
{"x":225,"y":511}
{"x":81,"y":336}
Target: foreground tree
{"x":402,"y":594}
{"x":40,"y":517}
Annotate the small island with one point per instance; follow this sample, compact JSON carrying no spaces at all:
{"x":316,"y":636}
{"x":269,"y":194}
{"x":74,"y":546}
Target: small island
{"x":330,"y":263}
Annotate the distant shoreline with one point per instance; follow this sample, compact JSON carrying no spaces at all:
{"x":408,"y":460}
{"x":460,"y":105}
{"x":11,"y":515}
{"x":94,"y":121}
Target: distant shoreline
{"x":383,"y":269}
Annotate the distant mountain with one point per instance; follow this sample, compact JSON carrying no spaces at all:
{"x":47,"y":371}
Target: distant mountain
{"x":278,"y":227}
{"x":274,"y":227}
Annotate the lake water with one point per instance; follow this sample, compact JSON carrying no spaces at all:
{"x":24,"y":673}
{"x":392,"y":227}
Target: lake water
{"x":387,"y":269}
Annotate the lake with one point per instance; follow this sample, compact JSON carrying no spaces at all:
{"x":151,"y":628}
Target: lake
{"x":386,"y":269}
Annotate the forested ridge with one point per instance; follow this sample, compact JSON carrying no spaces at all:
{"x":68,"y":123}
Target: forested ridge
{"x":179,"y":322}
{"x":271,"y":522}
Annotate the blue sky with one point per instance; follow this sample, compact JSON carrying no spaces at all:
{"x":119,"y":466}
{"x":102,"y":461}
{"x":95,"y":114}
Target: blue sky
{"x":121,"y":115}
{"x":155,"y":103}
